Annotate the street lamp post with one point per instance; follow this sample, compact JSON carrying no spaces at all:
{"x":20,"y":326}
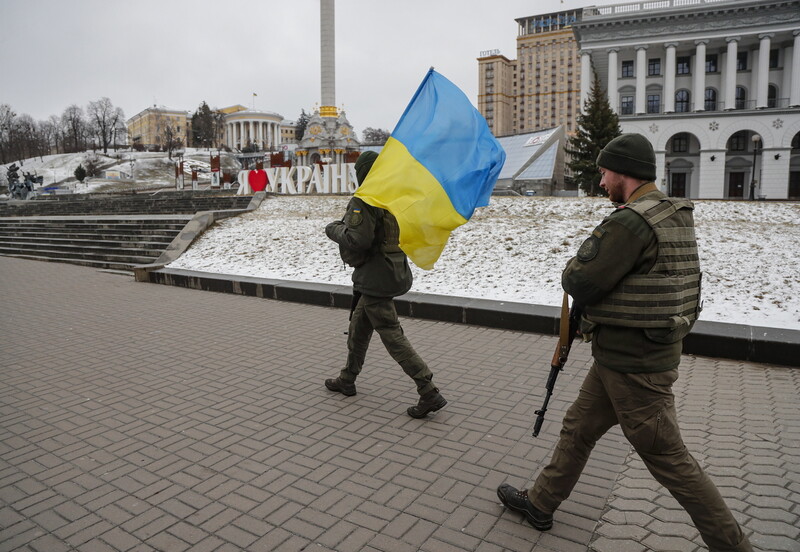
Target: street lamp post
{"x":756,"y":138}
{"x":669,"y":182}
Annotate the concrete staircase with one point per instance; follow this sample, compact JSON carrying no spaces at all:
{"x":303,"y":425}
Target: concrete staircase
{"x":118,"y":231}
{"x":102,"y":241}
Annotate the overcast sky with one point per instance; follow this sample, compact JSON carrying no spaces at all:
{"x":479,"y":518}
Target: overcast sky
{"x":176,"y":53}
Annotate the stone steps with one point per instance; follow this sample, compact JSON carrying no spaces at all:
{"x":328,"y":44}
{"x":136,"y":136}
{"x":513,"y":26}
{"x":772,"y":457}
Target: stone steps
{"x":110,"y":230}
{"x":105,"y":242}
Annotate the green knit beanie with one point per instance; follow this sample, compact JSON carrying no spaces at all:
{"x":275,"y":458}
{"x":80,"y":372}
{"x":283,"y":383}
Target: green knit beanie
{"x":364,"y":164}
{"x":630,"y":154}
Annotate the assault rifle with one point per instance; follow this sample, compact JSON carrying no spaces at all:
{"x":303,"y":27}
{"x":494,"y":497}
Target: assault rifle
{"x":569,"y":328}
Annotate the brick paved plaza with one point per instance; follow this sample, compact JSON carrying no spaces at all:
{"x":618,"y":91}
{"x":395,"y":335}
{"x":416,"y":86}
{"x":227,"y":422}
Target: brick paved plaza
{"x":141,"y":417}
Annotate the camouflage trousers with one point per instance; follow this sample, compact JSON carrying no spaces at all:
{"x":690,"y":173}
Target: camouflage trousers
{"x":644,"y":406}
{"x":379,"y":314}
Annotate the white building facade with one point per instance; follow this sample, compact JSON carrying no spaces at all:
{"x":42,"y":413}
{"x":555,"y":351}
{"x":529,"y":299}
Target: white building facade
{"x":255,"y":128}
{"x":713,"y":84}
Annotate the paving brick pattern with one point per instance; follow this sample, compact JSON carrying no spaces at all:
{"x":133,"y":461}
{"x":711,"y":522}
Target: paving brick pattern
{"x":742,"y":423}
{"x":137,"y":417}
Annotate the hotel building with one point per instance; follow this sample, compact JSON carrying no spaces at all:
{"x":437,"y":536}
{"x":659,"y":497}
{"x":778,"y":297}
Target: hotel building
{"x":541,"y":88}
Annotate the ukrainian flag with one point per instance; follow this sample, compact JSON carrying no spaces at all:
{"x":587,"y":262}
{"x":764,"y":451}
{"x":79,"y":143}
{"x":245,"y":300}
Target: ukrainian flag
{"x":440,"y":163}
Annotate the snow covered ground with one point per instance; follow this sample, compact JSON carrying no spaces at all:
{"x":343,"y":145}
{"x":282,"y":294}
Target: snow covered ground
{"x":515,"y":249}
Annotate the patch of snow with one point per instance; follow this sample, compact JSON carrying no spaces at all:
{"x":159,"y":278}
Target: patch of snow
{"x":515,"y":249}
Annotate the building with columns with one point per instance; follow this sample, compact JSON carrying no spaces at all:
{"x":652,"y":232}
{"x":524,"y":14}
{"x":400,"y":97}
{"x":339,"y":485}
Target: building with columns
{"x":714,"y":85}
{"x":249,"y":127}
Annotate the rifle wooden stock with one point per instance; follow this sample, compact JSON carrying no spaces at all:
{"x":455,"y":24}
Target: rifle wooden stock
{"x":570,"y":321}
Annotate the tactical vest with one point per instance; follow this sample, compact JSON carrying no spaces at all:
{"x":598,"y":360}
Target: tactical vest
{"x":669,"y":295}
{"x":390,"y":234}
{"x":387,"y":240}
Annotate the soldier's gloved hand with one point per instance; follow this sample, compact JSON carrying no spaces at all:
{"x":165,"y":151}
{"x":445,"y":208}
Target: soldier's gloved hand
{"x":330,"y":229}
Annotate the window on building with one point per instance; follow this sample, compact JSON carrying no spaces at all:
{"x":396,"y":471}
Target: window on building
{"x":772,"y":96}
{"x":627,"y":68}
{"x":626,"y":105}
{"x":680,"y":143}
{"x":654,"y":67}
{"x":682,"y":101}
{"x":683,"y":65}
{"x":741,"y":61}
{"x":710,"y":100}
{"x":738,"y":142}
{"x":773,"y":59}
{"x":711,"y":63}
{"x":654,"y":103}
{"x":741,"y":97}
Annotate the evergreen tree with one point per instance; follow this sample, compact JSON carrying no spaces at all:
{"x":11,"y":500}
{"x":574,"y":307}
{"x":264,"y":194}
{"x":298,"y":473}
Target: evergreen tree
{"x":92,"y":166}
{"x":597,"y":126}
{"x":203,"y":127}
{"x":80,"y":173}
{"x":302,"y":123}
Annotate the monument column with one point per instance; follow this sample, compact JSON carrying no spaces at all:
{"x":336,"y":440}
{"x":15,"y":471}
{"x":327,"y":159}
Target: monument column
{"x":328,"y":57}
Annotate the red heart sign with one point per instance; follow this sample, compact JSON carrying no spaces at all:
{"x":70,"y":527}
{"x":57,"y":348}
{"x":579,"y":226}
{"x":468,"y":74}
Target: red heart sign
{"x":257,"y":181}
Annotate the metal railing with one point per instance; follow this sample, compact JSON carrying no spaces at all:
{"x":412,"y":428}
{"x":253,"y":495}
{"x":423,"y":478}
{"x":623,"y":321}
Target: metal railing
{"x":633,"y":7}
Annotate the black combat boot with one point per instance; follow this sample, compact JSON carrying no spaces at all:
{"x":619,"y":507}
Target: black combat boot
{"x":429,"y":402}
{"x":519,"y":502}
{"x":347,"y":388}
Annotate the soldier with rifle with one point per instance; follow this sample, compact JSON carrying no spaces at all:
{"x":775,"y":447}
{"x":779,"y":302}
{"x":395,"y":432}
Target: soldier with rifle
{"x":637,"y":277}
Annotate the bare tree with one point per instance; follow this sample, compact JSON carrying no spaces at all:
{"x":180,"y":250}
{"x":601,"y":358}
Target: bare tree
{"x":75,"y":128}
{"x":219,"y":128}
{"x":56,"y":132}
{"x":120,"y":130}
{"x":7,"y":132}
{"x":26,"y":137}
{"x":104,"y":118}
{"x":376,"y":136}
{"x":167,"y":135}
{"x":45,"y":137}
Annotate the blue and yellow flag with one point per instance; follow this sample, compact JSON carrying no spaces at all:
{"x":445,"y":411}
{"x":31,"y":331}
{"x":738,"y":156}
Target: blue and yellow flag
{"x":440,"y":163}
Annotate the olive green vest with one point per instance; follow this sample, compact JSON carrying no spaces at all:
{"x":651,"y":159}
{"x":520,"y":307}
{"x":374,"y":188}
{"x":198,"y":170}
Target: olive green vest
{"x":390,"y":240}
{"x":669,"y":295}
{"x":387,"y":240}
